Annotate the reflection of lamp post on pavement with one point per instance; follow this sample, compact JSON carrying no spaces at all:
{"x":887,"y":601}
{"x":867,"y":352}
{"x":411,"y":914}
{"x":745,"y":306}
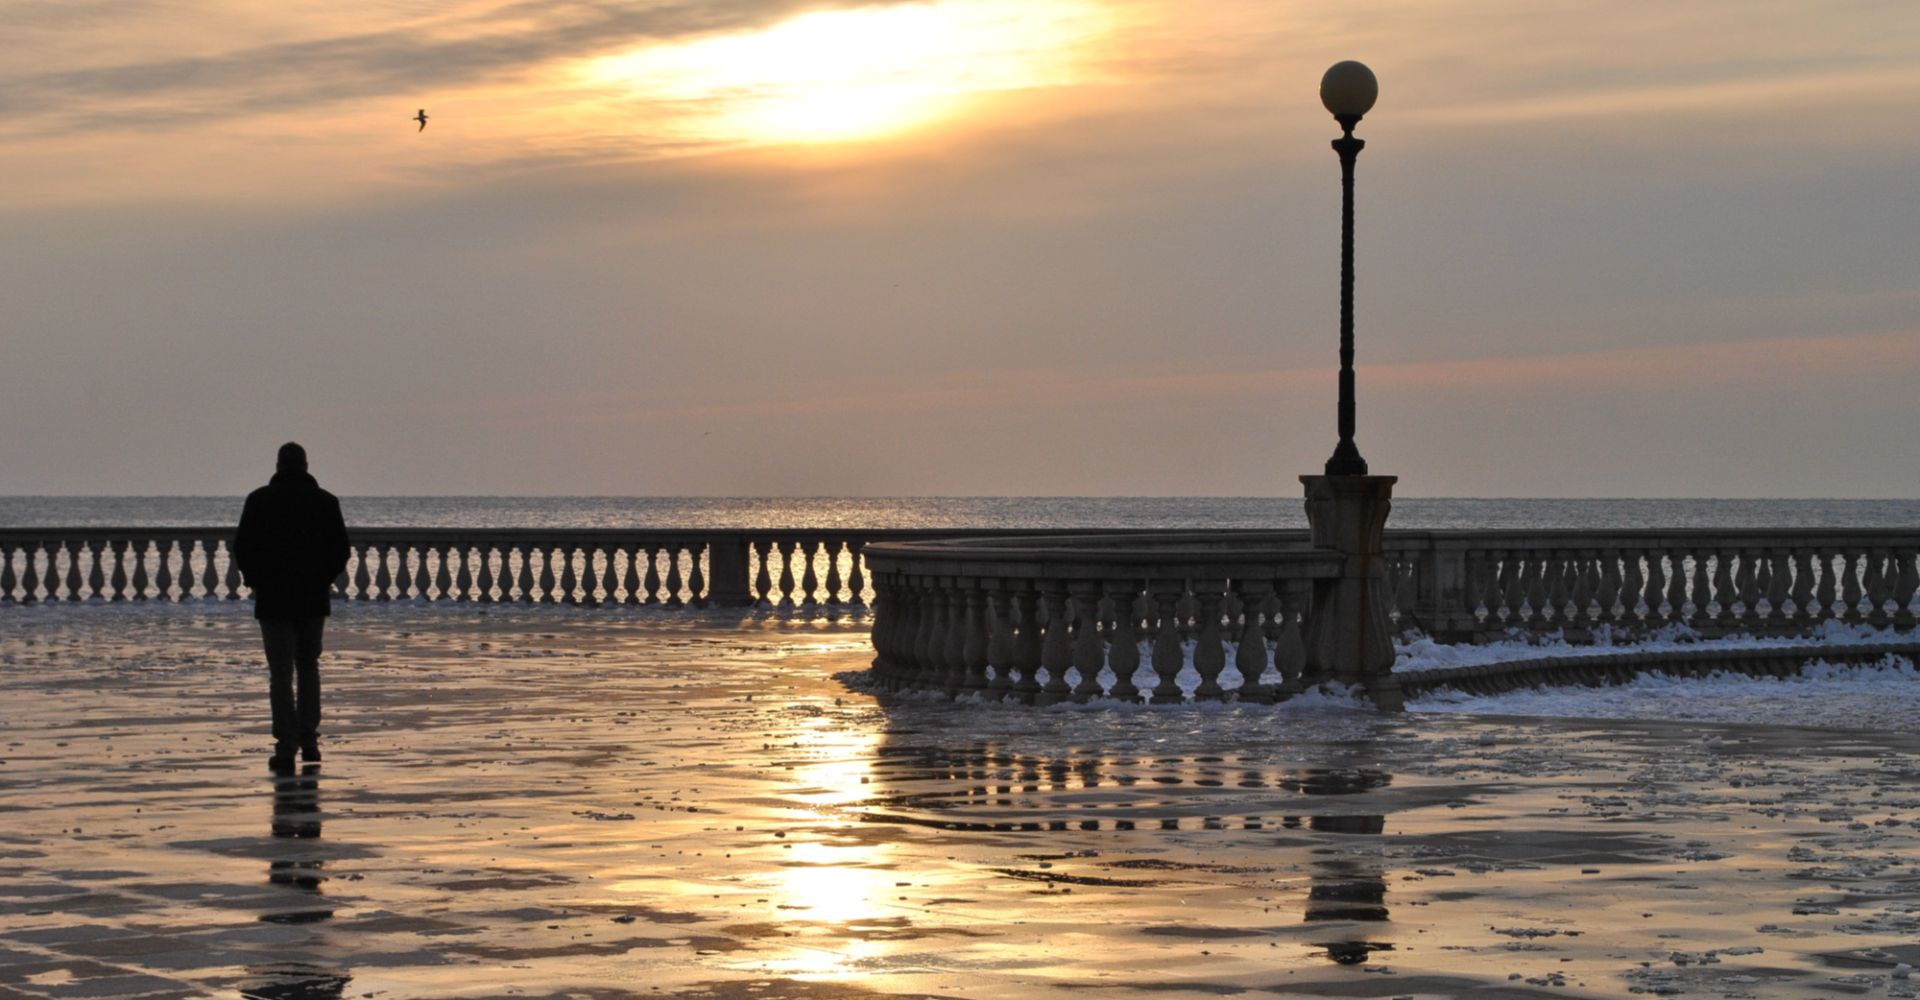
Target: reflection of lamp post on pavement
{"x":1347,"y":637}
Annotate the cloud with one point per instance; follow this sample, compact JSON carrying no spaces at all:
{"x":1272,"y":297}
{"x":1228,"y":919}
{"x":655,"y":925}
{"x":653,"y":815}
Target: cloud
{"x":470,"y":47}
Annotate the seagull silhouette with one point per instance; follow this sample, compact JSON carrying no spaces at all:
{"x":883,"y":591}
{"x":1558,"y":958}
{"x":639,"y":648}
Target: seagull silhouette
{"x":422,"y":119}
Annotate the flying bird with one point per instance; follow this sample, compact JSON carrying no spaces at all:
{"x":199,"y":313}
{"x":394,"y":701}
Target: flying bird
{"x":422,"y":119}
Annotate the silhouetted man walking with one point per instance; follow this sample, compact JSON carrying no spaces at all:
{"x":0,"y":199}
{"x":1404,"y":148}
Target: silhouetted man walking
{"x":291,"y":545}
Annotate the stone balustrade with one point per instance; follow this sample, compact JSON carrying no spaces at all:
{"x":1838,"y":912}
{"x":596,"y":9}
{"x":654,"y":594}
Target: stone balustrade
{"x":1463,"y":586}
{"x":1458,"y":586}
{"x":580,"y":567}
{"x":1060,"y":618}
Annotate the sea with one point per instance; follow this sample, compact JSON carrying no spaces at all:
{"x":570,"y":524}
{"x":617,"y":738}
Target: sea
{"x":1185,"y":513}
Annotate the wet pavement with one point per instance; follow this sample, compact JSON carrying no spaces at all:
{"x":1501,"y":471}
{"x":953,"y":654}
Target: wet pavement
{"x":558,"y":802}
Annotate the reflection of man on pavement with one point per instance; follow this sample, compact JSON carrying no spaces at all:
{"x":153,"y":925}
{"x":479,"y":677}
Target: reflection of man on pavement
{"x":291,"y":545}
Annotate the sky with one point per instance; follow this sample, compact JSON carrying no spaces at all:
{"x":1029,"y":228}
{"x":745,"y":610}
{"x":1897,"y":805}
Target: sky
{"x":969,"y":247}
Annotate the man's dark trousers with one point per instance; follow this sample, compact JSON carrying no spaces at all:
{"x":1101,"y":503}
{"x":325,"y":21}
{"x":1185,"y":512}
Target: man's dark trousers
{"x":293,"y":649}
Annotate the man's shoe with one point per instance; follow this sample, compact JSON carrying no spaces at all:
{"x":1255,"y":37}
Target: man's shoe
{"x":280,"y":763}
{"x":310,"y":751}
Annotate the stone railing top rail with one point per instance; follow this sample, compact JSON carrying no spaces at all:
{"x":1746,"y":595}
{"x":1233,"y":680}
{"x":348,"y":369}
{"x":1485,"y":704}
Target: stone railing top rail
{"x":1441,"y":537}
{"x":1193,"y":555}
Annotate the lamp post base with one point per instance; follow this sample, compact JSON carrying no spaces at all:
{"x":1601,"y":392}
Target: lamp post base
{"x":1347,"y":636}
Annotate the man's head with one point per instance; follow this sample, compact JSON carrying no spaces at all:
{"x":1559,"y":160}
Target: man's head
{"x":293,"y":458}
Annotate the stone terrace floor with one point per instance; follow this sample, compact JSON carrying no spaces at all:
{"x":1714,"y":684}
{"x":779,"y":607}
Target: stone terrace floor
{"x":567,"y":803}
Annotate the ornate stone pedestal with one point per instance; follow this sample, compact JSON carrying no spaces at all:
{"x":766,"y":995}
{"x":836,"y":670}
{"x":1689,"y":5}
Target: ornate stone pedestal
{"x":1347,"y":636}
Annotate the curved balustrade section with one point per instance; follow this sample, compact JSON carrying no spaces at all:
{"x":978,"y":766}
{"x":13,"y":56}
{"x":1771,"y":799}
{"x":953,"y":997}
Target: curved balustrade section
{"x":1076,"y":617}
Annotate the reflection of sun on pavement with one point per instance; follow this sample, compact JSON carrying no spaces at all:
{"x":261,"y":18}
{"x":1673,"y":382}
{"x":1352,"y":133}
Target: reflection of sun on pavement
{"x":831,"y":76}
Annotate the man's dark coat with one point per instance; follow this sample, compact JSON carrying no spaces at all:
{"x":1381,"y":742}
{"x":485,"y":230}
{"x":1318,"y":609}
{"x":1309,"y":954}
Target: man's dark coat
{"x":291,"y":545}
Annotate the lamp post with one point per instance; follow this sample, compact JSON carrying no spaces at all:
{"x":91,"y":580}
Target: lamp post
{"x":1347,"y":636}
{"x":1348,"y":90}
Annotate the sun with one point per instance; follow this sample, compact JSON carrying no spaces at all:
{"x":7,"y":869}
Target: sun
{"x":834,"y":76}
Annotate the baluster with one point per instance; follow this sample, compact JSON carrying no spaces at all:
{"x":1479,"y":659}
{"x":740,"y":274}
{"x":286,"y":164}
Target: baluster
{"x":1495,"y":594}
{"x":65,"y":581}
{"x":1123,"y":638}
{"x":1554,"y":580}
{"x":1677,"y":586}
{"x":1168,"y":655}
{"x":1251,"y":656}
{"x":1089,"y":653}
{"x":609,"y":575}
{"x":443,"y":578}
{"x":73,"y":572}
{"x":910,"y":636}
{"x":30,"y":574}
{"x":1879,"y":588}
{"x":233,"y":572}
{"x":1852,"y":563}
{"x":114,"y":550}
{"x":1702,"y":594}
{"x":999,"y":642}
{"x":788,"y":549}
{"x":888,"y":616}
{"x":361,"y":576}
{"x":422,"y":582}
{"x":1028,"y":643}
{"x":943,"y":645}
{"x":973,"y":647}
{"x":1907,"y":580}
{"x":1655,"y":595}
{"x":1746,"y":588}
{"x":8,"y":580}
{"x":1631,"y":584}
{"x":653,"y":574}
{"x":548,"y":587}
{"x":674,"y":599}
{"x":162,"y":569}
{"x":952,"y":651}
{"x":763,"y":579}
{"x":1405,"y":595}
{"x":1513,"y":594}
{"x":383,"y":575}
{"x":631,"y":581}
{"x":1826,"y":590}
{"x":886,"y":631}
{"x":402,"y":584}
{"x":832,"y":547}
{"x":138,"y":550}
{"x":484,"y":583}
{"x":1802,"y":585}
{"x":1056,"y":647}
{"x":516,"y":586}
{"x":1779,"y":580}
{"x":1607,"y":594}
{"x":463,"y":580}
{"x":1534,"y":596}
{"x":567,"y":579}
{"x":929,"y":635}
{"x":1289,"y":649}
{"x":1724,"y":590}
{"x":856,"y":577}
{"x":1209,"y":655}
{"x":187,"y":575}
{"x":696,"y":576}
{"x":1586,"y":579}
{"x":96,"y":573}
{"x":810,"y":581}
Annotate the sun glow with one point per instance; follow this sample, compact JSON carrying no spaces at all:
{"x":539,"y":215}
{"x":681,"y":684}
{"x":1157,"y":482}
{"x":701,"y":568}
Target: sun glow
{"x":833,"y":76}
